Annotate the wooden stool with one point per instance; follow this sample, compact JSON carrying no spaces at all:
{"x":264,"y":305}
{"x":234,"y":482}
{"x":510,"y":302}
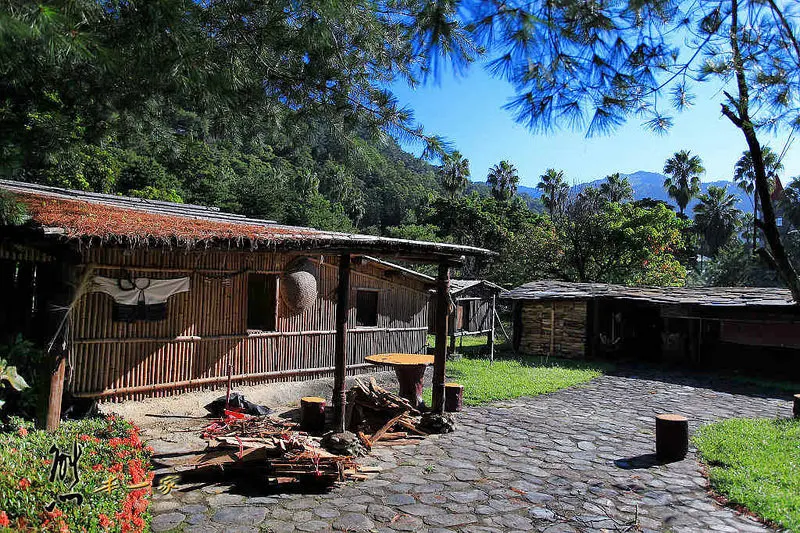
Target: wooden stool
{"x":797,"y":405}
{"x":453,"y":397}
{"x":312,"y":414}
{"x":672,"y":437}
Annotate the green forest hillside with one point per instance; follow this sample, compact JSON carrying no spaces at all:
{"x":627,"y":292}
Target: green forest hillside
{"x":279,"y":110}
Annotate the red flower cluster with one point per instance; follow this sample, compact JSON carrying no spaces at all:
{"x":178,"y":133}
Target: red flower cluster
{"x":88,"y":438}
{"x":24,"y":484}
{"x":55,"y":521}
{"x":132,"y":440}
{"x":4,"y":522}
{"x":130,"y":518}
{"x":105,"y":522}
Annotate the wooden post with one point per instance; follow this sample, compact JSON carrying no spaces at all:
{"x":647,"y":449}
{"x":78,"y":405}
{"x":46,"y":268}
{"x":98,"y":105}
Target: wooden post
{"x":552,"y":327}
{"x":340,"y":345}
{"x":796,"y":408}
{"x":453,"y":327}
{"x":490,"y":341}
{"x":440,"y":357}
{"x":56,"y":393}
{"x":58,"y":344}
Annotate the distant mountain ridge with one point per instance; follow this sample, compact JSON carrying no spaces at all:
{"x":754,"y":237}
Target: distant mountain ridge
{"x":651,"y":185}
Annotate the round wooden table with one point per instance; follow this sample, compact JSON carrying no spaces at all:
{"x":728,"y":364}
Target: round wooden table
{"x":409,"y":368}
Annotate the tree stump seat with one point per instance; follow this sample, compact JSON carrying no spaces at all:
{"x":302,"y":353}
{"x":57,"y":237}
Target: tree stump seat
{"x":453,"y":397}
{"x":672,"y":437}
{"x":312,"y":414}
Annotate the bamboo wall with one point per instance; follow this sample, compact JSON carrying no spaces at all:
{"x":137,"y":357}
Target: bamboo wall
{"x":554,"y":328}
{"x":206,"y":328}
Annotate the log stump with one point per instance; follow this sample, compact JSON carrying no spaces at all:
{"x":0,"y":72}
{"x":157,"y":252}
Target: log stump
{"x":453,"y":397}
{"x":796,"y":406}
{"x":312,"y":414}
{"x":672,"y":437}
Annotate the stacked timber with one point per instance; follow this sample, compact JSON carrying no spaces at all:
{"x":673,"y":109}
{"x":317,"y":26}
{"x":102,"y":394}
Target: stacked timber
{"x":554,"y":328}
{"x":274,"y":447}
{"x":377,"y":415}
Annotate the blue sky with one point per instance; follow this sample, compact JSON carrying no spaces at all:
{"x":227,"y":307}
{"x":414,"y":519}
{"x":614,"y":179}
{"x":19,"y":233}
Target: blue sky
{"x":468,"y":112}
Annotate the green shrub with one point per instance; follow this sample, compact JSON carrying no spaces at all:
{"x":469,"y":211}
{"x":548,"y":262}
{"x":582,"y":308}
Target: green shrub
{"x":113,"y":477}
{"x":25,"y":360}
{"x":12,"y":212}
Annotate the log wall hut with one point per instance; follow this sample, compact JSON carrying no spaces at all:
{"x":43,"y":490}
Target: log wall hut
{"x":750,"y":328}
{"x":140,"y":298}
{"x":474,"y":303}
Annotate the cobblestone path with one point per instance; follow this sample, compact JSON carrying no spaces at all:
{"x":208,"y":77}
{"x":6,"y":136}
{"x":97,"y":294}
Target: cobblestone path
{"x":576,"y":460}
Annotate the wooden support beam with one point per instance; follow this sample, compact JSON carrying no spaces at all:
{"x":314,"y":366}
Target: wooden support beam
{"x":56,"y":394}
{"x":440,"y":357}
{"x":58,"y":345}
{"x":490,"y":340}
{"x":340,"y":345}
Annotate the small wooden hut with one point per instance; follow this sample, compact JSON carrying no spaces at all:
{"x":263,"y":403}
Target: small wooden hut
{"x":474,"y":311}
{"x":754,"y":328}
{"x":139,"y":298}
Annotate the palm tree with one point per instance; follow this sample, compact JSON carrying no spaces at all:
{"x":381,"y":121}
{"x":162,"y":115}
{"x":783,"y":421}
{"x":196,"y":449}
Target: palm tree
{"x":744,"y":174}
{"x":554,"y":190}
{"x":503,"y":179}
{"x":790,"y":202}
{"x":683,"y":182}
{"x":454,"y":174}
{"x":616,"y":189}
{"x":717,"y":217}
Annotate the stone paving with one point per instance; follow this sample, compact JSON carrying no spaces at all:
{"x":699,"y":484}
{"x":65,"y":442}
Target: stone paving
{"x":576,"y":460}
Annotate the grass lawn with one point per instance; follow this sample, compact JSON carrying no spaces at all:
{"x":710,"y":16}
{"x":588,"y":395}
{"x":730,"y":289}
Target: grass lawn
{"x":756,"y":464}
{"x":510,"y":378}
{"x":468,"y":341}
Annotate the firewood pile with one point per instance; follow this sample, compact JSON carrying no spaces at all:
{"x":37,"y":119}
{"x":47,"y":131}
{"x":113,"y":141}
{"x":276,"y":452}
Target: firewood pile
{"x":275,"y":447}
{"x":377,"y":415}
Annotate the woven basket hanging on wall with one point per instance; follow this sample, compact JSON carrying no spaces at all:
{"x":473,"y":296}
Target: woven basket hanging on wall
{"x":299,"y":285}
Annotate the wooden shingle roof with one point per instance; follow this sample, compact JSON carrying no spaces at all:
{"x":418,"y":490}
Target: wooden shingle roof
{"x":703,"y":296}
{"x":461,"y":285}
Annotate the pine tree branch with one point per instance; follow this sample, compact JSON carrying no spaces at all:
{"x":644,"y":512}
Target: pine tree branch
{"x":787,"y":28}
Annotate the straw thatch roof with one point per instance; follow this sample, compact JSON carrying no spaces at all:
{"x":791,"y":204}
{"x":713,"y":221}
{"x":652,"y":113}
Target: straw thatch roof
{"x":108,"y":219}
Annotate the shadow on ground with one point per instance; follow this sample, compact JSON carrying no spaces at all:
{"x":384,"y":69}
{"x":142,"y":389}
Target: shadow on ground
{"x":706,"y":379}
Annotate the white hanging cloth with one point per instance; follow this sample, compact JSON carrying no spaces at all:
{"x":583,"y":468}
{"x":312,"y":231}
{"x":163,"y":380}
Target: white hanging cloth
{"x":127,"y":291}
{"x":139,"y":298}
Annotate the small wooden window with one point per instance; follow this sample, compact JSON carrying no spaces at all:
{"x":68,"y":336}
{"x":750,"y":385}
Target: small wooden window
{"x":366,"y":308}
{"x":262,"y":299}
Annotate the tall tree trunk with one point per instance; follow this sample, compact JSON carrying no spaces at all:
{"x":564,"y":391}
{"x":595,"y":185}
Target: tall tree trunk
{"x":776,"y":254}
